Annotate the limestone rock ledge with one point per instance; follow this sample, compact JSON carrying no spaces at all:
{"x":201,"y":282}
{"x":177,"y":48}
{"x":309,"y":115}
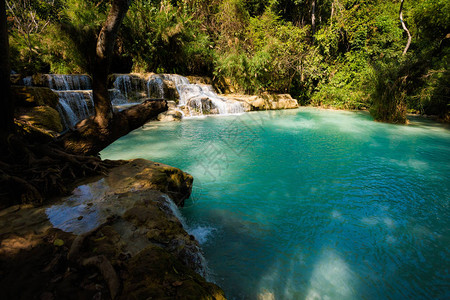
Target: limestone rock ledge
{"x":266,"y":101}
{"x":128,"y":219}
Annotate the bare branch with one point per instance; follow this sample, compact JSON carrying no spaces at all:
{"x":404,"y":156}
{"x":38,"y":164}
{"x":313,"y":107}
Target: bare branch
{"x":405,"y":28}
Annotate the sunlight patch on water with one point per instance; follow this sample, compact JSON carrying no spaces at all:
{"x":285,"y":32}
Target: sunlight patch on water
{"x":331,"y":278}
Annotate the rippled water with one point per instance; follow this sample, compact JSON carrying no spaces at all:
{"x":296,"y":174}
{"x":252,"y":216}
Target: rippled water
{"x":312,"y":204}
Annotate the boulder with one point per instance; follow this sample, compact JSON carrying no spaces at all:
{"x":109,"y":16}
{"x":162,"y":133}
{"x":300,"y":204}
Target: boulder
{"x":45,"y":118}
{"x":170,"y":115}
{"x":126,"y":220}
{"x":199,"y":80}
{"x":16,"y":79}
{"x":266,"y":101}
{"x":34,"y":96}
{"x":170,"y":91}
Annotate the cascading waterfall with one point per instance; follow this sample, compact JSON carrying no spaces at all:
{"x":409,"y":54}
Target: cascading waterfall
{"x":201,"y":99}
{"x":155,"y":87}
{"x":196,"y":256}
{"x":132,"y":87}
{"x":123,"y":84}
{"x":68,"y":82}
{"x":75,"y":106}
{"x":75,"y":97}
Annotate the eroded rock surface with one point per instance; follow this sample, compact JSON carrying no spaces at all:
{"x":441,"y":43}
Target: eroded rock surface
{"x":266,"y":101}
{"x":125,"y":219}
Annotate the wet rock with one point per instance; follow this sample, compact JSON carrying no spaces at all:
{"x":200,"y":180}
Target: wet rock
{"x":170,"y":115}
{"x":170,"y":90}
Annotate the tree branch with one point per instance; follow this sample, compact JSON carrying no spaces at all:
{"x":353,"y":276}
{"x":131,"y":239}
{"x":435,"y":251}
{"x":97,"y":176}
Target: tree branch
{"x":405,"y":28}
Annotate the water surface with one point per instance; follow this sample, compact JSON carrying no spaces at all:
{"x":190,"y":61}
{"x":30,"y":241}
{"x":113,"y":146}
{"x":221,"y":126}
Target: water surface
{"x":312,"y":204}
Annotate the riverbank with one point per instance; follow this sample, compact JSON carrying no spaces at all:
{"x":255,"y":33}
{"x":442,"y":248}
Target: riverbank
{"x":117,"y":236}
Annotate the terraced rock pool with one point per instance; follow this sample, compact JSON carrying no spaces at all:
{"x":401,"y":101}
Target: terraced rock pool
{"x":312,"y":204}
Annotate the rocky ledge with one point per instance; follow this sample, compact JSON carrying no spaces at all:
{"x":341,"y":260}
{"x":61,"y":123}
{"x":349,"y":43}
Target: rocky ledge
{"x":115,"y":237}
{"x":265,"y":101}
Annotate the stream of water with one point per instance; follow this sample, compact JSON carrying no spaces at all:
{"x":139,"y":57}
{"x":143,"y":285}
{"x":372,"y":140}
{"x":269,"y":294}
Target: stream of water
{"x":312,"y":204}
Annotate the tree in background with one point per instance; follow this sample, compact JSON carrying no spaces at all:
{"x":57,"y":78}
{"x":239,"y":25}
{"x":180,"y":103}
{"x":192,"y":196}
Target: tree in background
{"x":104,"y":52}
{"x":7,"y":112}
{"x":325,"y":52}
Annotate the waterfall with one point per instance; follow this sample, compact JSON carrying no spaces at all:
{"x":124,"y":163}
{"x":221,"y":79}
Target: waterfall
{"x":196,"y":256}
{"x":76,"y":99}
{"x":201,"y":99}
{"x":28,"y":81}
{"x":123,"y":84}
{"x":75,"y":96}
{"x":68,"y":82}
{"x":74,"y":106}
{"x":132,"y":86}
{"x":155,"y":87}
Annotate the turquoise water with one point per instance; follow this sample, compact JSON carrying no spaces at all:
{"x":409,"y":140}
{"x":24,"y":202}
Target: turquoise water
{"x":312,"y":204}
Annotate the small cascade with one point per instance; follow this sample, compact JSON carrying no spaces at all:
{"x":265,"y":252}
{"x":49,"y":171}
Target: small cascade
{"x":68,"y":82}
{"x":196,"y":256}
{"x":201,"y":99}
{"x":123,"y":84}
{"x":155,"y":87}
{"x":74,"y":93}
{"x":132,"y":87}
{"x":28,"y":81}
{"x":74,"y":106}
{"x":75,"y":96}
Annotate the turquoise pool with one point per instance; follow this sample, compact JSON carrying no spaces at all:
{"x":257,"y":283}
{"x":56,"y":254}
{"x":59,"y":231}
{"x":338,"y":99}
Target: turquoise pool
{"x":312,"y":204}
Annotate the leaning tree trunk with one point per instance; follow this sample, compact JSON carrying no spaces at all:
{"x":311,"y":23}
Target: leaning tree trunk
{"x":405,"y":28}
{"x":104,"y":53}
{"x":90,"y":139}
{"x":7,"y":110}
{"x":94,"y":134}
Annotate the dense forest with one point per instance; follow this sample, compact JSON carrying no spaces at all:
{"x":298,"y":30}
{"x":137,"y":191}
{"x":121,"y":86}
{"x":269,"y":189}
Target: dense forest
{"x":350,"y":54}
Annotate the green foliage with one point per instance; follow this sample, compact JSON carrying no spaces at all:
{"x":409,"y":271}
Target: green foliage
{"x":274,"y":53}
{"x":389,"y":93}
{"x":162,"y":38}
{"x":352,"y":60}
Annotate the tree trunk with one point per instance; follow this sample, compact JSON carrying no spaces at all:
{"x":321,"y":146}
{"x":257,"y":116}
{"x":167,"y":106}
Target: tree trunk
{"x":405,"y":28}
{"x":7,"y":110}
{"x":94,"y":134}
{"x":313,"y":19}
{"x":331,"y":15}
{"x":89,"y":139}
{"x":104,"y":53}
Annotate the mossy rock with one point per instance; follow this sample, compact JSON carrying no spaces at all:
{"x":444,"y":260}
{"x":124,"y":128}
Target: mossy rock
{"x":154,"y":273}
{"x":34,"y":96}
{"x":42,"y":117}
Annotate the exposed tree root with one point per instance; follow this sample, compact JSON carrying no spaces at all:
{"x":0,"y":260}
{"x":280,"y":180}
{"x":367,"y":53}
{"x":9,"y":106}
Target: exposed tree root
{"x":29,"y":173}
{"x":107,"y":271}
{"x":100,"y":261}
